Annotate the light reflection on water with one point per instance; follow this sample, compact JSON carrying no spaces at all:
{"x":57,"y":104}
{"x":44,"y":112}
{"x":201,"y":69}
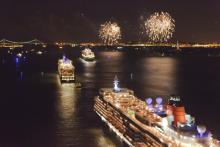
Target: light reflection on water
{"x":111,"y":54}
{"x":88,"y":63}
{"x":71,"y":130}
{"x":66,"y":100}
{"x":159,"y":75}
{"x":101,"y":139}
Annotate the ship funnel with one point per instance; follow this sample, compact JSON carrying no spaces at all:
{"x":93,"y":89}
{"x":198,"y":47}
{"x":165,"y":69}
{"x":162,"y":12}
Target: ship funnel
{"x":179,"y":114}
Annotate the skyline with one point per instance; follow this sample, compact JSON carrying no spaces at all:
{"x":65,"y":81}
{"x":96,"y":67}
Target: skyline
{"x":79,"y":21}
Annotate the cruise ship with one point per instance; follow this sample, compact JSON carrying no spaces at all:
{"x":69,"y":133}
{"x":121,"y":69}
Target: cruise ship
{"x":88,"y":55}
{"x":150,"y":123}
{"x":66,"y":70}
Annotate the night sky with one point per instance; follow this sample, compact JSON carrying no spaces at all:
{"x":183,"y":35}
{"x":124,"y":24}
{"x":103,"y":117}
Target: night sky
{"x":79,"y":20}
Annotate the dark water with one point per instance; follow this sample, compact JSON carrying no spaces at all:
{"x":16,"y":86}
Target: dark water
{"x":37,"y":111}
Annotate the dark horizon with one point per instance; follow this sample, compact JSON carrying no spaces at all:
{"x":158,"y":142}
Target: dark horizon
{"x":79,"y":20}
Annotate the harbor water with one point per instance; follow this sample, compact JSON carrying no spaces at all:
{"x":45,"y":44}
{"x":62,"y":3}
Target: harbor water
{"x":36,"y":110}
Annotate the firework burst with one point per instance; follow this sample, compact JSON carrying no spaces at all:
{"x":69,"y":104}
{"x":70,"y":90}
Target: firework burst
{"x":110,"y":33}
{"x":160,"y":27}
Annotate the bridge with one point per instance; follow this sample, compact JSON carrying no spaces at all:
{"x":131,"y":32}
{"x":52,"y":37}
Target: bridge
{"x":5,"y":43}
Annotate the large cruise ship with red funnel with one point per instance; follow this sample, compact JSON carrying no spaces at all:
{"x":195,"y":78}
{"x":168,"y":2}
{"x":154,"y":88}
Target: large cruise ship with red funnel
{"x":150,"y":123}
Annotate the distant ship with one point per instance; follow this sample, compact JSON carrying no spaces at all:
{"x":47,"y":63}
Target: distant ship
{"x":39,"y":52}
{"x":119,"y":47}
{"x":148,"y":124}
{"x":88,"y":55}
{"x":19,"y":55}
{"x":66,"y":70}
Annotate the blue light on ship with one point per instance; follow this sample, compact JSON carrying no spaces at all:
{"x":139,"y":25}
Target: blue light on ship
{"x":64,"y":58}
{"x":17,"y":60}
{"x":149,"y":101}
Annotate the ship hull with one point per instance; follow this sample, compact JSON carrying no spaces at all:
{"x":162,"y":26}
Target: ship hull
{"x":88,"y":59}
